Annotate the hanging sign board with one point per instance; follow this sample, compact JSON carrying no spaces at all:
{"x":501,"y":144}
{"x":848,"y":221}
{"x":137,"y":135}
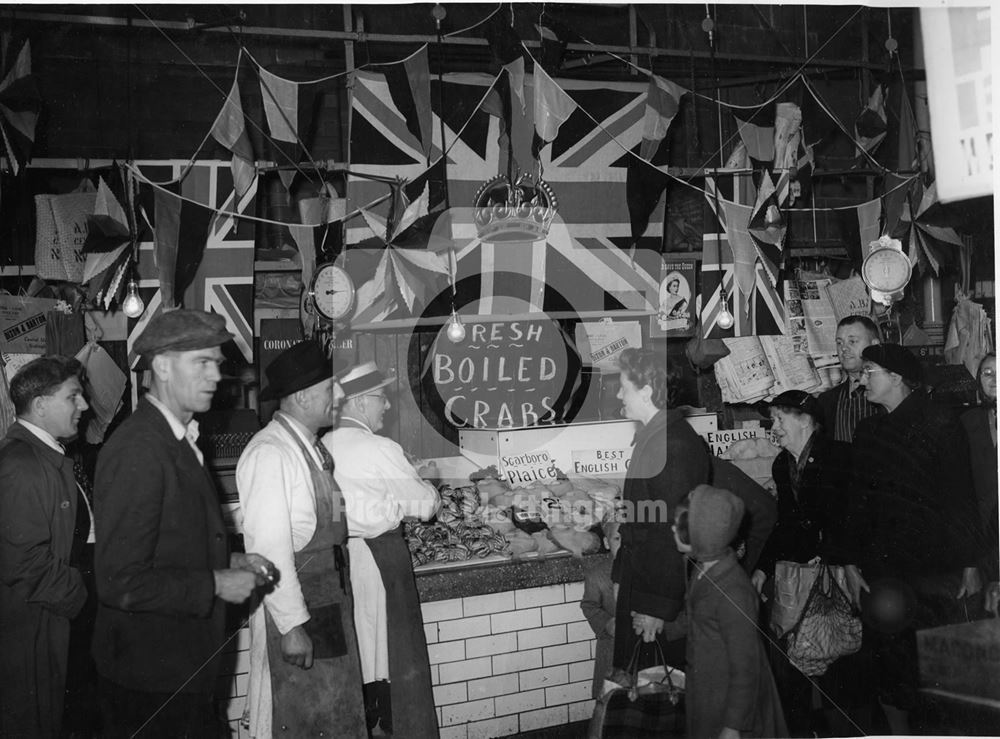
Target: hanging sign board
{"x":959,"y":64}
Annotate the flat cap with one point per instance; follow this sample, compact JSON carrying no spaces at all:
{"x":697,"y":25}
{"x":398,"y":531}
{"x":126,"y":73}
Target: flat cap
{"x":895,"y":358}
{"x":182,"y":331}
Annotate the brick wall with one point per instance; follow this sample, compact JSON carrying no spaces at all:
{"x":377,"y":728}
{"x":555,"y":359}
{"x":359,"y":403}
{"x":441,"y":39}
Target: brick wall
{"x":501,"y":664}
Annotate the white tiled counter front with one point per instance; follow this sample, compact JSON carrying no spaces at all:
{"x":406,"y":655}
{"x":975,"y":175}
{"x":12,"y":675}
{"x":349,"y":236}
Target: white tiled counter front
{"x":514,"y":660}
{"x":511,"y":661}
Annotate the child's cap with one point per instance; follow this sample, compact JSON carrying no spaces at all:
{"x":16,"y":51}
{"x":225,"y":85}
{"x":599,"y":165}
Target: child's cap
{"x":714,"y":517}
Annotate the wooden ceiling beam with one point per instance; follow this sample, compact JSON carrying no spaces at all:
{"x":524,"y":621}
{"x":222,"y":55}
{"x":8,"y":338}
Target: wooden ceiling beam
{"x":112,"y":22}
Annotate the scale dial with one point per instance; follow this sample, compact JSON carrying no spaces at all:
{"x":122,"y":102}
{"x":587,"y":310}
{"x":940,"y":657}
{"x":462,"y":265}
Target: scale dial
{"x":332,"y":292}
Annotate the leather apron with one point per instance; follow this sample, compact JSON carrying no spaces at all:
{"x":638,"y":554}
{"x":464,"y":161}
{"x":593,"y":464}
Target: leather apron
{"x":325,"y":700}
{"x":413,"y":713}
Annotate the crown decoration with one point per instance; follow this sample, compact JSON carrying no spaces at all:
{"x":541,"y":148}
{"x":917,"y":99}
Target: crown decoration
{"x":522,"y":212}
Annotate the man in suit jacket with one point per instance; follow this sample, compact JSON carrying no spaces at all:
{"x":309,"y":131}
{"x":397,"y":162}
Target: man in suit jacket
{"x":162,"y":562}
{"x":40,"y":510}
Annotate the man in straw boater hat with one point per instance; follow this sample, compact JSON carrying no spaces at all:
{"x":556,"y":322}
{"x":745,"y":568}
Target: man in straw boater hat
{"x":304,"y":674}
{"x":162,"y":562}
{"x":381,"y":488}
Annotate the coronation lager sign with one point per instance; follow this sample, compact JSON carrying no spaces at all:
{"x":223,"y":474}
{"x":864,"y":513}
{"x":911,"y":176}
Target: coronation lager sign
{"x":504,"y":375}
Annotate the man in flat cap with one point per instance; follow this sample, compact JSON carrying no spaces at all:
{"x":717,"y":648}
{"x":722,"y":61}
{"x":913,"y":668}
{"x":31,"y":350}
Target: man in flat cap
{"x":381,"y":488}
{"x":162,"y":562}
{"x":912,"y":522}
{"x":305,"y":679}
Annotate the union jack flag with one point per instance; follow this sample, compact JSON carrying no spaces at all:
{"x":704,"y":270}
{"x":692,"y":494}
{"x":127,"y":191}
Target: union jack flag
{"x":730,"y":261}
{"x":585,"y":167}
{"x":223,"y":283}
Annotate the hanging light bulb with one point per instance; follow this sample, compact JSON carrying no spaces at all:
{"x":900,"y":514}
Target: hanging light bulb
{"x":132,"y":305}
{"x":456,"y":329}
{"x":725,"y":320}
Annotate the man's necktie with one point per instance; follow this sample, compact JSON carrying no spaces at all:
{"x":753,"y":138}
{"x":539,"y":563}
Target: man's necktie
{"x":324,"y":455}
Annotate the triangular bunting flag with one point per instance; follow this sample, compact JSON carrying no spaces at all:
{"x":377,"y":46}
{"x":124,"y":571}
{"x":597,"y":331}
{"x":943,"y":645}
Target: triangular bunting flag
{"x":662,"y":102}
{"x":552,"y":107}
{"x":768,"y":226}
{"x":410,"y":89}
{"x":870,"y":126}
{"x":230,"y":130}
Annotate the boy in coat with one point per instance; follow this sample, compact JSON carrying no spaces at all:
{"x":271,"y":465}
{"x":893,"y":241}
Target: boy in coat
{"x":730,"y":690}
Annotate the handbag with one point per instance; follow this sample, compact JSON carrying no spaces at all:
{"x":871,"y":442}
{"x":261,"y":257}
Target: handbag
{"x":827,"y":629}
{"x":649,"y":705}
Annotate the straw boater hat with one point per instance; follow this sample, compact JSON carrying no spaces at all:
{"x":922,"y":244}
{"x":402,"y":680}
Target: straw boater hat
{"x":363,"y":379}
{"x":300,"y":366}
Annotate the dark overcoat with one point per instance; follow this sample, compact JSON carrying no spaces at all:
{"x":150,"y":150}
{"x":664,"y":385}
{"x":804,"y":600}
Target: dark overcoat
{"x":983,"y":452}
{"x":160,"y":534}
{"x":810,"y":513}
{"x":39,"y":591}
{"x":912,"y":507}
{"x":668,"y":461}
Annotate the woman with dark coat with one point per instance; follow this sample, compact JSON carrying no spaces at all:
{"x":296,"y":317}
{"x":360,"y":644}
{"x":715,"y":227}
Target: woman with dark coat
{"x":648,"y":568}
{"x":980,"y":424}
{"x":810,"y":475}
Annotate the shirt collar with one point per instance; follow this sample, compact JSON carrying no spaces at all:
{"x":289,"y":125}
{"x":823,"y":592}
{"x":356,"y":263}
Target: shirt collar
{"x":44,"y":436}
{"x":357,"y":422}
{"x":179,"y":429}
{"x":299,"y":428}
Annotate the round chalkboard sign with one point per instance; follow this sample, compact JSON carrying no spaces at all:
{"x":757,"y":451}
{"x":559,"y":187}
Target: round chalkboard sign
{"x":504,"y":374}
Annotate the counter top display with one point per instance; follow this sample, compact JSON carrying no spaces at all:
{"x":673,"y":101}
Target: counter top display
{"x":486,"y":521}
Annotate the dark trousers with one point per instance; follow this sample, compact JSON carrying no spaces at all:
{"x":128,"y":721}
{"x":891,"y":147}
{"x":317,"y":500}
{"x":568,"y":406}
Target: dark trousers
{"x":127,"y":713}
{"x":81,"y":711}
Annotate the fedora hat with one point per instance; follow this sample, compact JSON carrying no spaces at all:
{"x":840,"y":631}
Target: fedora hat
{"x":300,"y":366}
{"x":363,"y":379}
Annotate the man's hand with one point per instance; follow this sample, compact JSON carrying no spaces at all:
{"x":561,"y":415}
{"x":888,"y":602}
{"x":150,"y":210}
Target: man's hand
{"x":992,"y":597}
{"x":262,"y":567}
{"x":646,"y":626}
{"x":609,"y":627}
{"x":234,"y":586}
{"x":855,"y":584}
{"x":297,"y":648}
{"x":971,"y":583}
{"x":728,"y":733}
{"x":757,"y":580}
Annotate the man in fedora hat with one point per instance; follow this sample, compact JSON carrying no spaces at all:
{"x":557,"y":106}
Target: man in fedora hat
{"x":162,"y":562}
{"x":305,"y":679}
{"x":381,"y":488}
{"x":912,"y":518}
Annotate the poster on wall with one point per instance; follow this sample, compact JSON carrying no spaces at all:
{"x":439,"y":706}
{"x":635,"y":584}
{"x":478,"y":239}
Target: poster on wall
{"x":22,"y":323}
{"x":675,"y":315}
{"x":602,"y":342}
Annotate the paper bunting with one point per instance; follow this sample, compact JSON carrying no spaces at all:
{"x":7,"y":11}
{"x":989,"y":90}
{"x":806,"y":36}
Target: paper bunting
{"x":230,"y":130}
{"x":109,"y":245}
{"x":662,"y":102}
{"x":20,"y":104}
{"x":927,"y":243}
